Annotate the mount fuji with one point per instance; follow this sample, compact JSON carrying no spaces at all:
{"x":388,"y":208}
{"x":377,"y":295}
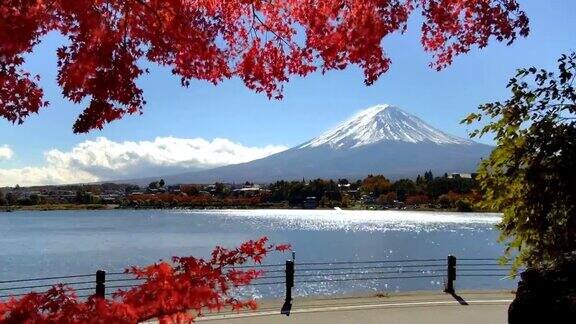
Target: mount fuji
{"x":379,"y":140}
{"x":382,"y":123}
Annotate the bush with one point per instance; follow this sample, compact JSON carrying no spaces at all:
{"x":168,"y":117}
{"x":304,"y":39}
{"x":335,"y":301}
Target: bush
{"x":546,"y":296}
{"x":463,"y":205}
{"x":444,"y":201}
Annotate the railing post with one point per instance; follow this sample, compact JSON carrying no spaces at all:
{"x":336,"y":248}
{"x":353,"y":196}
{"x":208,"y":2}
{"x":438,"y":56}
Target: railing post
{"x":289,"y":280}
{"x":100,"y":283}
{"x":450,"y":275}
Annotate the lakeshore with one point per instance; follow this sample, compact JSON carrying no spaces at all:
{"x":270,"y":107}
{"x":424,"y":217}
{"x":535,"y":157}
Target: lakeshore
{"x":52,"y":207}
{"x":56,"y":207}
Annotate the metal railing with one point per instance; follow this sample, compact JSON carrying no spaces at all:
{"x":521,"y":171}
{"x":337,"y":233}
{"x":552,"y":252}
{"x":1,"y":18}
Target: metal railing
{"x":289,"y":274}
{"x":84,"y":285}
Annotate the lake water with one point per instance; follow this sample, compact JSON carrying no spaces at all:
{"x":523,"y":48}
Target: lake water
{"x":40,"y":244}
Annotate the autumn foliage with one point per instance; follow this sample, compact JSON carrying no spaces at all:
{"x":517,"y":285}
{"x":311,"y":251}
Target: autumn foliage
{"x":167,"y":199}
{"x":263,"y":43}
{"x":171,"y":292}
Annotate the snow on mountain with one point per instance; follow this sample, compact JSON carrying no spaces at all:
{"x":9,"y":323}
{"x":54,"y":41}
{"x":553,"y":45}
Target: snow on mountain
{"x":382,"y":123}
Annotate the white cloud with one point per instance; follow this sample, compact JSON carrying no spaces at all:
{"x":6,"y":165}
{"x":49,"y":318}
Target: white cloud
{"x":30,"y":176}
{"x":6,"y":152}
{"x":102,"y":159}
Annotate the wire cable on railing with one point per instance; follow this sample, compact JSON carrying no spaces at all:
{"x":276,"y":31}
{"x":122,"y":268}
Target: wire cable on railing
{"x":274,"y":271}
{"x":45,"y":278}
{"x":367,"y":279}
{"x":122,"y":286}
{"x":265,"y":283}
{"x":127,"y":279}
{"x":118,"y":273}
{"x":14,"y":295}
{"x":46,"y":286}
{"x":256,"y":266}
{"x":480,"y":264}
{"x":372,"y":267}
{"x":273,"y":277}
{"x":40,"y":292}
{"x":364,"y":273}
{"x":369,"y":262}
{"x":483,"y":269}
{"x":84,"y":289}
{"x":484,"y":275}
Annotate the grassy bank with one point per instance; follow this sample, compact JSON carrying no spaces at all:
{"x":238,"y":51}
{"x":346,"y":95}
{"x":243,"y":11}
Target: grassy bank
{"x":46,"y":207}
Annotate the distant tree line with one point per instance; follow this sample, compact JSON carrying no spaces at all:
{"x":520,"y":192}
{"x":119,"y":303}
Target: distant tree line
{"x":295,"y":192}
{"x":63,"y":194}
{"x":427,"y":190}
{"x":444,"y":191}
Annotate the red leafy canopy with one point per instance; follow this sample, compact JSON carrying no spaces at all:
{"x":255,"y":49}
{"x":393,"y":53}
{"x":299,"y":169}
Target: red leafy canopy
{"x":175,"y":292}
{"x":261,"y":42}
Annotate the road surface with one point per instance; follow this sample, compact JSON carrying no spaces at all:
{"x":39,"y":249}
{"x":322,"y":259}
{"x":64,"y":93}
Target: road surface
{"x":411,"y":308}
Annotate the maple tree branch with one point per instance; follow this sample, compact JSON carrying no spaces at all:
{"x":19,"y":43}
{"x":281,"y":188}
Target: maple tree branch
{"x":255,"y":15}
{"x":252,"y":28}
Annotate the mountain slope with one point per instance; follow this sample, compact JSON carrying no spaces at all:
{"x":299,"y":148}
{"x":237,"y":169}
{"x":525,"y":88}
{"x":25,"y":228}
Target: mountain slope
{"x":383,"y":139}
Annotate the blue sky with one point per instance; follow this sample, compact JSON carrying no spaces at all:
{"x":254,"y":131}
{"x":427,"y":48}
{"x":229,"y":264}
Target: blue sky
{"x":311,"y":105}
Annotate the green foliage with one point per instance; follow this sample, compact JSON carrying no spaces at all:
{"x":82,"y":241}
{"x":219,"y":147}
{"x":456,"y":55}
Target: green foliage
{"x":219,"y":188}
{"x":404,"y":188}
{"x":444,"y":201}
{"x":154,"y":185}
{"x":443,"y":185}
{"x":463,"y":205}
{"x":295,"y":192}
{"x":11,"y":198}
{"x":34,"y":199}
{"x":128,"y":189}
{"x":84,"y":197}
{"x":428,"y":176}
{"x":531,"y":175}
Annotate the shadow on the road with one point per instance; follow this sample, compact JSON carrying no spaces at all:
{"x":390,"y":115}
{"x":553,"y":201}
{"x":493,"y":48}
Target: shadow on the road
{"x":459,"y":299}
{"x":286,"y":308}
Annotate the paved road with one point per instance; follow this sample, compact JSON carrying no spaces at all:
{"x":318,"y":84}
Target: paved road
{"x":417,"y":308}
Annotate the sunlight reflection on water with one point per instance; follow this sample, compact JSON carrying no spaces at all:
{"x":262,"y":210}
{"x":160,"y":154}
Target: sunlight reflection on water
{"x":352,"y":220}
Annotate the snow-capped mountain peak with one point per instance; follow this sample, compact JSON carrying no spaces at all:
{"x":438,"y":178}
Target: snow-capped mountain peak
{"x":379,"y":140}
{"x":382,"y":123}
